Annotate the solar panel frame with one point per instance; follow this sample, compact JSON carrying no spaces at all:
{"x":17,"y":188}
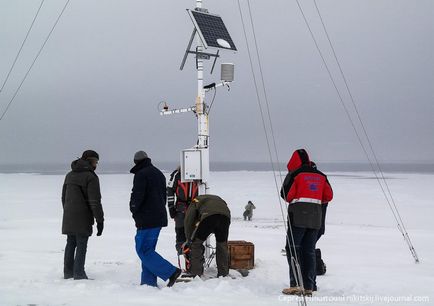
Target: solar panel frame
{"x":210,"y":27}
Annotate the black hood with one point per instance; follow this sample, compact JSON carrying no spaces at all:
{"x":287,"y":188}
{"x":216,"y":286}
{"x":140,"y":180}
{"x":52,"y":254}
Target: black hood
{"x":142,"y":164}
{"x":81,"y":165}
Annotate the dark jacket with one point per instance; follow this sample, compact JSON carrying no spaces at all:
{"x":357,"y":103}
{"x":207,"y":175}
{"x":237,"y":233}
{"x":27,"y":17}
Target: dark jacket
{"x":81,"y":200}
{"x":202,"y":207}
{"x":305,"y":189}
{"x":180,"y":195}
{"x":148,"y":197}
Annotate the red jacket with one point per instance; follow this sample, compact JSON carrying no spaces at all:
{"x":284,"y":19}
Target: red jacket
{"x":310,"y":187}
{"x":305,"y":189}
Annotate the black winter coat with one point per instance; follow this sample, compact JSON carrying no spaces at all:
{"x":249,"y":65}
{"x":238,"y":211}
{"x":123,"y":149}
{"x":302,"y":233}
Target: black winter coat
{"x":81,"y":200}
{"x":148,"y":197}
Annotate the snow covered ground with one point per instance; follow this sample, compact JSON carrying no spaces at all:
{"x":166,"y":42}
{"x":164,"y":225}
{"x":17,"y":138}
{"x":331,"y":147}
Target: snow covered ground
{"x":367,"y":259}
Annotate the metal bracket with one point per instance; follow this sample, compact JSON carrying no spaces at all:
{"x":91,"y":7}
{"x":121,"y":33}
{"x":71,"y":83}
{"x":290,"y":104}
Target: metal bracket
{"x":199,"y":55}
{"x":188,"y":49}
{"x":215,"y":60}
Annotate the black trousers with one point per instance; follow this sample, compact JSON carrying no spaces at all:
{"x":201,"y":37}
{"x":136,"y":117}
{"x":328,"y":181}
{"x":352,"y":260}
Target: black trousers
{"x":180,"y":239}
{"x":215,"y":224}
{"x":75,"y":256}
{"x":304,"y":240}
{"x":219,"y":226}
{"x":179,"y":226}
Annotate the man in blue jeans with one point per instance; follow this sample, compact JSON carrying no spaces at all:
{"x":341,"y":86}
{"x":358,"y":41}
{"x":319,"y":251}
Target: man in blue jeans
{"x":148,"y":206}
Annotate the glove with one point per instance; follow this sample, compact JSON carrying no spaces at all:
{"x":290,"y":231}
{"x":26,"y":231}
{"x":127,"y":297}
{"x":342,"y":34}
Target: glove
{"x":185,"y":247}
{"x":172,"y":212}
{"x":99,"y":227}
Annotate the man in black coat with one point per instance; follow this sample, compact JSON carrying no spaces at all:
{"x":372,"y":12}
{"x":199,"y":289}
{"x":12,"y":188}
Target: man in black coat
{"x":81,"y":200}
{"x":148,"y":207}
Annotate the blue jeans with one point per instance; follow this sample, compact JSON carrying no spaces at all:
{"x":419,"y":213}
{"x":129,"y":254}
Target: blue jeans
{"x":305,"y":241}
{"x":153,"y":265}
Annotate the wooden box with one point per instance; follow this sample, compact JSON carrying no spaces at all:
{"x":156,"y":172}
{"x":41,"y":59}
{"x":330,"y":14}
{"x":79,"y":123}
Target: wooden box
{"x":241,"y":255}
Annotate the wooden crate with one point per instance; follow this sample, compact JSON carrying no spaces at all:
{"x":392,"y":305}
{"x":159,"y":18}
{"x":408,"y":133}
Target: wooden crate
{"x":241,"y":254}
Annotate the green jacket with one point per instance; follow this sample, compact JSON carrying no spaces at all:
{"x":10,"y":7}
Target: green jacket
{"x":202,"y":207}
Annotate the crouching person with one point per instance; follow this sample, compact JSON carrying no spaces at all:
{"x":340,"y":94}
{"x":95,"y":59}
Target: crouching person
{"x":148,"y":207}
{"x":81,"y":200}
{"x":207,"y":214}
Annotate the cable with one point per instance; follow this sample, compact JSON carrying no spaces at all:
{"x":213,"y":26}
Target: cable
{"x":294,"y":261}
{"x":264,"y":91}
{"x":406,"y":236}
{"x":294,"y":258}
{"x":34,"y":61}
{"x":22,"y":45}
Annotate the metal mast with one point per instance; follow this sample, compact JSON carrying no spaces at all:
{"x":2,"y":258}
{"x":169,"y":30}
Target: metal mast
{"x":202,"y":117}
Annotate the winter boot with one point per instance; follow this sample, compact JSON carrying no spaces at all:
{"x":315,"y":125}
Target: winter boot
{"x":81,"y":276}
{"x":292,"y":291}
{"x":67,"y":275}
{"x":174,"y":277}
{"x":308,"y":292}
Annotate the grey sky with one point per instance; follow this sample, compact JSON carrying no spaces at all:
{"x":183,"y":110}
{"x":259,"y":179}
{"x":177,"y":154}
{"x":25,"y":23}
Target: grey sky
{"x":109,"y":63}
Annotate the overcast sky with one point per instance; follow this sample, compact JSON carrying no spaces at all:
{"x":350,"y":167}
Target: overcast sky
{"x":109,"y":63}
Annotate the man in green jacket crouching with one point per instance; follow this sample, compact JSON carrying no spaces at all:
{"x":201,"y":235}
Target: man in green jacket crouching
{"x":207,"y":214}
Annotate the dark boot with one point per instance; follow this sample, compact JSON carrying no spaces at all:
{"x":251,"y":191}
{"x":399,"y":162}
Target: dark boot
{"x":196,"y":257}
{"x":68,"y":263}
{"x":174,"y":277}
{"x":80,"y":258}
{"x":222,"y":258}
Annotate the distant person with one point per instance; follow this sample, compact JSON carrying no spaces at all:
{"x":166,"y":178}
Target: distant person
{"x":305,"y":189}
{"x":81,"y":200}
{"x":248,"y":212}
{"x":207,"y":214}
{"x":148,"y":207}
{"x":179,"y":196}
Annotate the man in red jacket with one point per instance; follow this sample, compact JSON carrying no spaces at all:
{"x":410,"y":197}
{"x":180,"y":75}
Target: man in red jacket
{"x":305,"y":189}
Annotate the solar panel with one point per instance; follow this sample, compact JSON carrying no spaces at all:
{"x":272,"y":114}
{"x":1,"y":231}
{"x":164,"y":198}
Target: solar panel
{"x":212,"y":30}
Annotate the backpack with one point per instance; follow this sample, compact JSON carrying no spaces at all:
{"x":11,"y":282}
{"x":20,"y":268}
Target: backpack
{"x":186,"y":192}
{"x":321,"y":268}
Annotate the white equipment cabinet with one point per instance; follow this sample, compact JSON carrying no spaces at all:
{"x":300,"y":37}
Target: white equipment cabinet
{"x":194,"y":165}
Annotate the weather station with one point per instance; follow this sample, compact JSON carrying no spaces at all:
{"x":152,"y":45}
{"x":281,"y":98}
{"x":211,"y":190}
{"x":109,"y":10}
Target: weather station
{"x":210,"y":36}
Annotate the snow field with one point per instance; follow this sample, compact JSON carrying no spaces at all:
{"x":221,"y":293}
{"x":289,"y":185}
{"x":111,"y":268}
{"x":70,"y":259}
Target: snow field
{"x":365,"y":254}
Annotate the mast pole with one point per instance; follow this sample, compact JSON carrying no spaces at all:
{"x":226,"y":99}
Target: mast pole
{"x":202,"y":117}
